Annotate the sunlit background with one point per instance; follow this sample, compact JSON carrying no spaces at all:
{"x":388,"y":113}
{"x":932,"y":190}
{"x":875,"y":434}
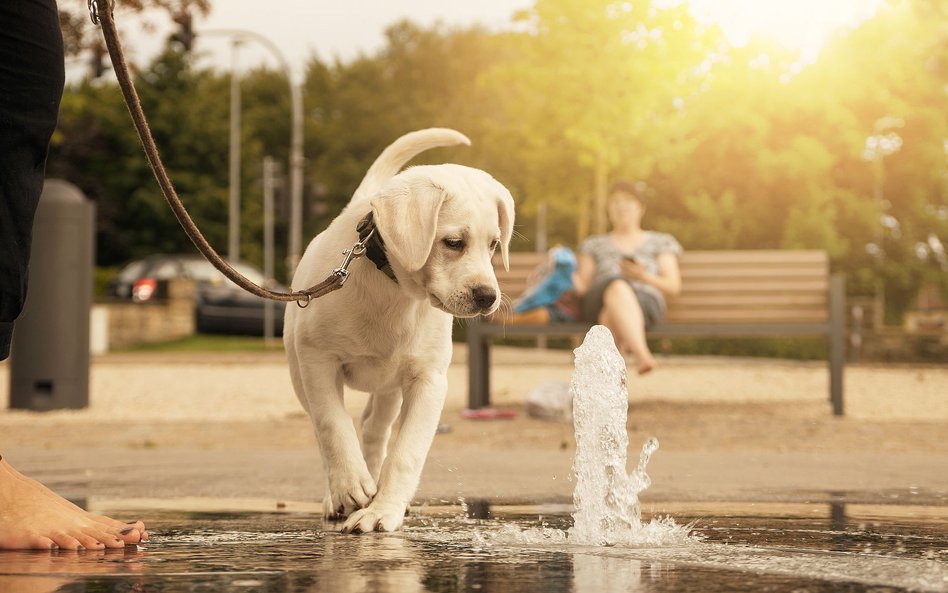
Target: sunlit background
{"x":759,"y":124}
{"x":347,"y":29}
{"x":803,"y":25}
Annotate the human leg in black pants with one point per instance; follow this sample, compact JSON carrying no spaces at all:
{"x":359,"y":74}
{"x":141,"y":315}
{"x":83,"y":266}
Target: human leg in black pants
{"x":31,"y":85}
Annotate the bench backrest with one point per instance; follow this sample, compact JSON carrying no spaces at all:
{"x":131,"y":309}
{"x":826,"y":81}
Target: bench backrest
{"x":745,"y":286}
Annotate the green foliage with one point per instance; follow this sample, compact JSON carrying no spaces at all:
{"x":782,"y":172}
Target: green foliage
{"x":211,"y":343}
{"x":746,"y":147}
{"x":792,"y":348}
{"x":96,"y":148}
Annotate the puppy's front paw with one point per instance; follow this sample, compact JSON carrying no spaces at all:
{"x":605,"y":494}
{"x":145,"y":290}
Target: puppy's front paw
{"x":348,"y":493}
{"x":375,"y":517}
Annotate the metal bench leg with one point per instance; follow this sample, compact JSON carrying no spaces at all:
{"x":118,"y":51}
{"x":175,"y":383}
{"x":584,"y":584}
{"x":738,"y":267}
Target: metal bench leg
{"x":837,"y":341}
{"x":478,"y":367}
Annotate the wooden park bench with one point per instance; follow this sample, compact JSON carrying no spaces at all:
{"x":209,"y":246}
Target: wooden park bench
{"x":724,"y":294}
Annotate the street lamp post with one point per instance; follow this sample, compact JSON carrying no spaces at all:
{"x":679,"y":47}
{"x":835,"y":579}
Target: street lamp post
{"x":233,"y":218}
{"x":296,"y":182}
{"x":296,"y":140}
{"x":881,"y":144}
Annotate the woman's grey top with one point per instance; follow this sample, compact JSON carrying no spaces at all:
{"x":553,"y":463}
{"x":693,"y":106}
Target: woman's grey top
{"x":607,"y":257}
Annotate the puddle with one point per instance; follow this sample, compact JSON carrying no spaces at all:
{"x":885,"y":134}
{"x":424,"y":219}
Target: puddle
{"x":603,"y":544}
{"x":801,"y":548}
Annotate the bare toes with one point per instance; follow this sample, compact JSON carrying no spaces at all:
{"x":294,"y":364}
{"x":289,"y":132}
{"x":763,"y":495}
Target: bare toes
{"x":65,"y":541}
{"x":130,"y":535}
{"x":90,"y":542}
{"x":27,"y":541}
{"x":40,"y":542}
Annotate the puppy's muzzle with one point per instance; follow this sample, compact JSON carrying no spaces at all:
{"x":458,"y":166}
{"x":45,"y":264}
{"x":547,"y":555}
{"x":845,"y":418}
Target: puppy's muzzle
{"x":484,"y":297}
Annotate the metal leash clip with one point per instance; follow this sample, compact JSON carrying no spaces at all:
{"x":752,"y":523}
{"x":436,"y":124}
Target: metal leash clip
{"x":94,"y":9}
{"x":357,"y":250}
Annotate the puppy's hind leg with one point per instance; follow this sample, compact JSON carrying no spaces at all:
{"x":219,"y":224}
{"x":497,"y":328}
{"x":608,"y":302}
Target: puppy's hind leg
{"x":351,"y":486}
{"x":377,"y":419}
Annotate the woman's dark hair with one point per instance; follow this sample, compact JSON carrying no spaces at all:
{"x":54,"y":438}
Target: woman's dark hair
{"x":637,"y":189}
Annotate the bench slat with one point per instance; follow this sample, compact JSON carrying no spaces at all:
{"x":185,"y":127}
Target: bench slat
{"x":723,"y":286}
{"x":689,"y":300}
{"x":725,"y":293}
{"x":514,"y":288}
{"x":743,"y":315}
{"x":815,"y":285}
{"x":755,"y":256}
{"x":765,"y":274}
{"x":707,"y":257}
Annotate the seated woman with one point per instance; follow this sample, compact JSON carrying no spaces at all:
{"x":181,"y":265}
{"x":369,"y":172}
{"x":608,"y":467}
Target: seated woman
{"x":624,"y":276}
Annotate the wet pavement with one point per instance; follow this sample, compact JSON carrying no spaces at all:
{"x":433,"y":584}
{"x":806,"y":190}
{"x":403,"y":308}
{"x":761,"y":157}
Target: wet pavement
{"x":778,"y":496}
{"x":482,"y":547}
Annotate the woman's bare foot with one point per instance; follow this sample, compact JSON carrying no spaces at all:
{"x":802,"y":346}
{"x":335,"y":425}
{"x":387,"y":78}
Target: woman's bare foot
{"x":645,"y":364}
{"x":34,"y":517}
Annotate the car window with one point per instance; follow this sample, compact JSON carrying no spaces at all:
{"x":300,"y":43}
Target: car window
{"x":165,"y":270}
{"x":202,"y":271}
{"x":132,"y":271}
{"x":251,"y":273}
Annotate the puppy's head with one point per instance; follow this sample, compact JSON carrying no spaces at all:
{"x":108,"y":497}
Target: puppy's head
{"x":441,"y":225}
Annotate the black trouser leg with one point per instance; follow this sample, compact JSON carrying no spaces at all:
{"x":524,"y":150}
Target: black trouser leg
{"x":31,"y":86}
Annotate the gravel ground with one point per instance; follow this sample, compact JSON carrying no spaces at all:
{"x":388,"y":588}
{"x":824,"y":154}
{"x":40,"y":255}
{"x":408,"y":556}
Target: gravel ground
{"x":226,"y":426}
{"x":185,"y":399}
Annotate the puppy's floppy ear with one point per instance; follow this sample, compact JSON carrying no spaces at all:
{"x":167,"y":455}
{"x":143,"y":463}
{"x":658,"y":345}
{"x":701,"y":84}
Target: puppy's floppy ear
{"x":406,"y":214}
{"x":505,"y":214}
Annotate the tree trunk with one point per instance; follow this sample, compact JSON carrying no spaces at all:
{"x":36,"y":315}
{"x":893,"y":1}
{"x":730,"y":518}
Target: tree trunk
{"x":582,"y":220}
{"x":599,"y":203}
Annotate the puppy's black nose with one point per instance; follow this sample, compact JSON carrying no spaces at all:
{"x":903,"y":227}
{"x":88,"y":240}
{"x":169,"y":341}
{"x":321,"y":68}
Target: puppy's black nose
{"x":484,"y":296}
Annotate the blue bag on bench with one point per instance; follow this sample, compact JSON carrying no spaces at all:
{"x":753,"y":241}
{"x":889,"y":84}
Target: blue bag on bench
{"x":552,"y":289}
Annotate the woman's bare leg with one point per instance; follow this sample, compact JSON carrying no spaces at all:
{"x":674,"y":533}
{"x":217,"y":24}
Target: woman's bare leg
{"x":622,"y":314}
{"x":34,"y":517}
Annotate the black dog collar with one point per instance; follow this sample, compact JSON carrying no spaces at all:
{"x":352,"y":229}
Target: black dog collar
{"x":375,"y":247}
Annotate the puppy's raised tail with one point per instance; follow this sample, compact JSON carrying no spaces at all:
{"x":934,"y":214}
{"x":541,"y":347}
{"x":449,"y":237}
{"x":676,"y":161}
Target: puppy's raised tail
{"x":398,"y":153}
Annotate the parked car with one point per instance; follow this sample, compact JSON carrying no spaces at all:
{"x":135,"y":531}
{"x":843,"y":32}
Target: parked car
{"x":220,"y":305}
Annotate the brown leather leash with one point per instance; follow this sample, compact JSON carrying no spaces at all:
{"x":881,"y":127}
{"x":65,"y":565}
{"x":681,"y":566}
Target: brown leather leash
{"x":333,"y":282}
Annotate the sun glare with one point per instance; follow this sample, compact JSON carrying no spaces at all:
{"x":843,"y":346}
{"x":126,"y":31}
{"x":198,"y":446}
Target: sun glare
{"x":802,"y":25}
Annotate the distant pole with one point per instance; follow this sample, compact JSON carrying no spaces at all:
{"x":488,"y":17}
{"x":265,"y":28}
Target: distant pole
{"x":541,"y":227}
{"x":296,"y":180}
{"x":233,"y":218}
{"x":269,"y":174}
{"x":600,"y":180}
{"x":297,"y":161}
{"x":541,"y":248}
{"x":882,"y":143}
{"x":878,"y":299}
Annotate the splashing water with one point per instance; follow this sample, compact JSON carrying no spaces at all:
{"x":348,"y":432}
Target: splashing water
{"x":606,"y":497}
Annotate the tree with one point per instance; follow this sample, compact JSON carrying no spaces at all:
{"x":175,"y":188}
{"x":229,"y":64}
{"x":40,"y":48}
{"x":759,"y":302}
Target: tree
{"x":746,"y":147}
{"x":96,"y":147}
{"x":889,"y":75}
{"x":593,"y":88}
{"x":79,"y":34}
{"x":422,"y":78}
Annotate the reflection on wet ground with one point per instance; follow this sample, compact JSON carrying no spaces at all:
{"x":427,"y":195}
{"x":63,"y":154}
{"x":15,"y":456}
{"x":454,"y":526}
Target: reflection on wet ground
{"x":801,"y":548}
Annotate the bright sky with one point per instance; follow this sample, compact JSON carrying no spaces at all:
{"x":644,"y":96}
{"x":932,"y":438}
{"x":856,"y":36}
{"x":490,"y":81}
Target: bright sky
{"x":346,"y":29}
{"x":803,"y":25}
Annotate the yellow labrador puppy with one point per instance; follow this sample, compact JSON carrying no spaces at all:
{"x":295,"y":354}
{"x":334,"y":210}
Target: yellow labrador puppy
{"x":387,"y":331}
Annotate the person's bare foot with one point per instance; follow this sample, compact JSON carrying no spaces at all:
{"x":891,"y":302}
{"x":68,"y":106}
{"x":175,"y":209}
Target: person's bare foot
{"x":34,"y":517}
{"x":645,"y":364}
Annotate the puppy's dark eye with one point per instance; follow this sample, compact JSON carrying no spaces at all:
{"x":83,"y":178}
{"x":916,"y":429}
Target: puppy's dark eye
{"x":456,"y":244}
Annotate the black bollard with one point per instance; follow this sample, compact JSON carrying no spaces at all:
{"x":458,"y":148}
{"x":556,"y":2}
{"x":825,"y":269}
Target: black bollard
{"x":49,"y":360}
